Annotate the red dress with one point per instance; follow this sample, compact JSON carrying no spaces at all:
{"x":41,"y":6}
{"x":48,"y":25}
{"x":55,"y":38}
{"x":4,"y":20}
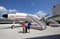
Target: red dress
{"x":23,"y":25}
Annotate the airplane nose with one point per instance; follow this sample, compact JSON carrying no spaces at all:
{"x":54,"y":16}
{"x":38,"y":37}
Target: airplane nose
{"x":5,"y":15}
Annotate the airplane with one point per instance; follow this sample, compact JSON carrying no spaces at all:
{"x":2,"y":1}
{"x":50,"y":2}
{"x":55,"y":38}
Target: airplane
{"x":51,"y":21}
{"x":26,"y":17}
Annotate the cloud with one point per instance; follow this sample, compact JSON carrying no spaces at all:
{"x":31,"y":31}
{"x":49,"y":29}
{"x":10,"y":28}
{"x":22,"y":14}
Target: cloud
{"x":3,"y":9}
{"x":12,"y":10}
{"x":40,"y":13}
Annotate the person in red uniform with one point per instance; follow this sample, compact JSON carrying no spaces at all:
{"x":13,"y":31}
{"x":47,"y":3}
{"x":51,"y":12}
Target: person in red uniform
{"x":24,"y":27}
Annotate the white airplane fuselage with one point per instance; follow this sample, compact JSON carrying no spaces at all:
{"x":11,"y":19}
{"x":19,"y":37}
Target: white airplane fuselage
{"x":17,"y":16}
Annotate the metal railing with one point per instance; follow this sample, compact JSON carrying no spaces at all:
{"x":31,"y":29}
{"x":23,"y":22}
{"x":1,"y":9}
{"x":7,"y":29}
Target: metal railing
{"x":39,"y":23}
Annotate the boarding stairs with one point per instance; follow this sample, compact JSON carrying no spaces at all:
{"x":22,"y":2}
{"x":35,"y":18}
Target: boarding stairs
{"x":39,"y":23}
{"x":53,"y":23}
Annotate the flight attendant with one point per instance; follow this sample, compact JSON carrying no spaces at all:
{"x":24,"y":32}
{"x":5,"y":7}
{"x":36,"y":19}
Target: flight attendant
{"x":24,"y":27}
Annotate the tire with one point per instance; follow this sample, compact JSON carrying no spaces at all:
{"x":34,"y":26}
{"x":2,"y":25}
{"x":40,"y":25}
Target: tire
{"x":12,"y":27}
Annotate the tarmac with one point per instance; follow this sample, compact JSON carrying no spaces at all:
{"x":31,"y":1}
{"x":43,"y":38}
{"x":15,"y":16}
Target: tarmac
{"x":48,"y":33}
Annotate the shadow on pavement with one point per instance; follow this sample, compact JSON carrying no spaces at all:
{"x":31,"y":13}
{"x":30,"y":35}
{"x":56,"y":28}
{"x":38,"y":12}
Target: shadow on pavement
{"x":47,"y":37}
{"x":10,"y":27}
{"x":54,"y":26}
{"x":20,"y":32}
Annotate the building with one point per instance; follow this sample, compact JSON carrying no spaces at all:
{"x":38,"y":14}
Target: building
{"x":56,"y":12}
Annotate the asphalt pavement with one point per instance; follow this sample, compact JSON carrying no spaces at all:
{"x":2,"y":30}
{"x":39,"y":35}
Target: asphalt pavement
{"x":48,"y":33}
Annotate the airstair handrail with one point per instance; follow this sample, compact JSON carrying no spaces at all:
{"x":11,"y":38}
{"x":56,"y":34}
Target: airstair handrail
{"x":39,"y":23}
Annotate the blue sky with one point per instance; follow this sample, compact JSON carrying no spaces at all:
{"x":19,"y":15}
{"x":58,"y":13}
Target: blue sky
{"x":29,"y":6}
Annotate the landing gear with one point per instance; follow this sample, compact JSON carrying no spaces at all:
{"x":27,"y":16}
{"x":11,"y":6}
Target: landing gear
{"x":12,"y":27}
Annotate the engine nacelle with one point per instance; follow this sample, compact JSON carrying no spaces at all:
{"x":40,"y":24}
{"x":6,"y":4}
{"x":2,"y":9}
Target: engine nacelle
{"x":5,"y":15}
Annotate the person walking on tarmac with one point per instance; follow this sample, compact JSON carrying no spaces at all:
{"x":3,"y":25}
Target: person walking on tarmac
{"x":28,"y":27}
{"x":24,"y":27}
